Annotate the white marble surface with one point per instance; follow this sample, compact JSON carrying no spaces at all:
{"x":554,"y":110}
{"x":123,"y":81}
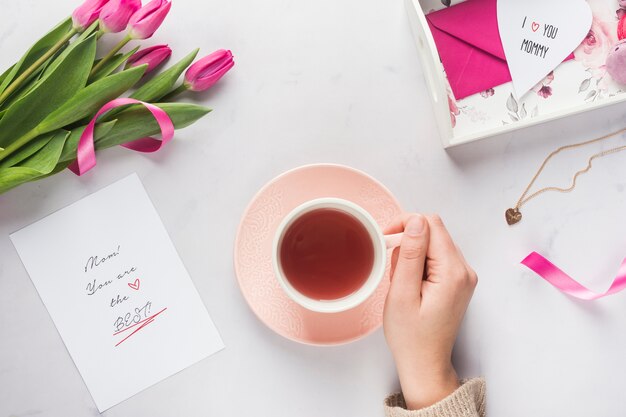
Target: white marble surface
{"x":337,"y":81}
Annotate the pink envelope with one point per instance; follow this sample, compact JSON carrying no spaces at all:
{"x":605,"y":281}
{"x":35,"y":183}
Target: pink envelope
{"x":470,"y":47}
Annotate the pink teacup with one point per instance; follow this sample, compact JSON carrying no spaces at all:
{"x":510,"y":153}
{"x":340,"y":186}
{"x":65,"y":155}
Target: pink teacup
{"x":380,"y":243}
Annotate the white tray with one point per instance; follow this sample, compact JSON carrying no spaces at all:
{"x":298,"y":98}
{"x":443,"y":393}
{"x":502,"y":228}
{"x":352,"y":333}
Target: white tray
{"x":576,"y":86}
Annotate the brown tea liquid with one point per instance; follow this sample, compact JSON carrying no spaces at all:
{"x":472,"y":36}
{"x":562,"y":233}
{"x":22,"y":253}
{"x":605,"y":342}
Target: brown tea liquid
{"x":326,"y":254}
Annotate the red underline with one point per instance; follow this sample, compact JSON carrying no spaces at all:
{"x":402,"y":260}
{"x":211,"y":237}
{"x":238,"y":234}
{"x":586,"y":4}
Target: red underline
{"x":144,"y":323}
{"x":139,"y":322}
{"x":136,"y":330}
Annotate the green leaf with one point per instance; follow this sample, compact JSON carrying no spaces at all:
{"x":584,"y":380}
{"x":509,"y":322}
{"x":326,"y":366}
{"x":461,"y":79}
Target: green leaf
{"x":77,"y":42}
{"x":113,"y":64}
{"x":60,"y":167}
{"x":31,"y":81}
{"x":28,"y":85}
{"x":91,"y":98}
{"x":137,"y":122}
{"x":27,"y":150}
{"x":54,"y":89}
{"x":163,"y":83}
{"x":71,"y":144}
{"x":134,"y":123}
{"x":6,"y":73}
{"x":39,"y":165}
{"x":36,"y":51}
{"x":158,"y":86}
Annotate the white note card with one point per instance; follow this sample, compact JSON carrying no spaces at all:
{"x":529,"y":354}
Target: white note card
{"x":117,"y":291}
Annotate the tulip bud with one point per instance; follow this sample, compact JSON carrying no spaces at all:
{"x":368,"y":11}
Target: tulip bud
{"x":115,"y":15}
{"x":147,"y":20}
{"x":153,"y":56}
{"x":208,"y":70}
{"x":87,"y":13}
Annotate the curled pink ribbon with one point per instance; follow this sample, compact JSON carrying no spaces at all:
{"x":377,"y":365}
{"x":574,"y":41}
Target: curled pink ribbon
{"x":86,"y":153}
{"x":566,"y":284}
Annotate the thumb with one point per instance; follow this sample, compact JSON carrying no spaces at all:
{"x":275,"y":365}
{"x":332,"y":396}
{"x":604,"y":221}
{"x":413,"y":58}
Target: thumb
{"x":409,"y":271}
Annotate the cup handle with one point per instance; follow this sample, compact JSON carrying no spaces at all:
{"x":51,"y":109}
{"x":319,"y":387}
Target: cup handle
{"x":393,"y":241}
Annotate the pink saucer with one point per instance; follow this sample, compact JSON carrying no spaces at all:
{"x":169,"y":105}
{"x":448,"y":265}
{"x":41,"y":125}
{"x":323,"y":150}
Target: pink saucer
{"x":253,"y":256}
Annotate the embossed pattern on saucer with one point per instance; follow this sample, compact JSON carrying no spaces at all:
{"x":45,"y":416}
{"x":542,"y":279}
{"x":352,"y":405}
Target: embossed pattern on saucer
{"x":253,"y":246}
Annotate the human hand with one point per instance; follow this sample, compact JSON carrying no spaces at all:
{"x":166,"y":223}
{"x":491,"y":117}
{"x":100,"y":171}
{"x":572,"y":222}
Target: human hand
{"x":431,"y":287}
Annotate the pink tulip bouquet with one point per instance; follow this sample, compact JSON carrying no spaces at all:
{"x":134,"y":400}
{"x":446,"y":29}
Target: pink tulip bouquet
{"x":59,"y":101}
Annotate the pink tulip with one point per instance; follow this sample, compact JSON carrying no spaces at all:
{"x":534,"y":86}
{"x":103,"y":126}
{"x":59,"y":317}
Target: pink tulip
{"x":153,"y":56}
{"x":208,"y":70}
{"x":87,"y":13}
{"x":147,"y":20}
{"x":115,"y":15}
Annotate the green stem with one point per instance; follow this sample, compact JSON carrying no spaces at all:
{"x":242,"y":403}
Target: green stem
{"x":23,"y":140}
{"x":29,"y":71}
{"x":181,"y":88}
{"x":110,"y":55}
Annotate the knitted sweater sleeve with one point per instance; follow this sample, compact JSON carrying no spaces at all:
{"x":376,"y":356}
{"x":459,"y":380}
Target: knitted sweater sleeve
{"x":467,"y":401}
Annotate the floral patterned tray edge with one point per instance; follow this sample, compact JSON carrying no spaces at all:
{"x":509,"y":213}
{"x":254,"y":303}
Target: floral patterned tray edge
{"x":575,"y":86}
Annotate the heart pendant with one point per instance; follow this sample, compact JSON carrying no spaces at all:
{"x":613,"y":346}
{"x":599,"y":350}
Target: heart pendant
{"x":512,"y":216}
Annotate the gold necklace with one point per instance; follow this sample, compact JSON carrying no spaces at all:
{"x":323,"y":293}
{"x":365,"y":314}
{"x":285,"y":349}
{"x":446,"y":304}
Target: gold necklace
{"x":513,"y":215}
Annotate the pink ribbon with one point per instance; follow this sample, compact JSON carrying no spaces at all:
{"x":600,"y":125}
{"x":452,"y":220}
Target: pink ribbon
{"x":551,"y":273}
{"x":86,"y":153}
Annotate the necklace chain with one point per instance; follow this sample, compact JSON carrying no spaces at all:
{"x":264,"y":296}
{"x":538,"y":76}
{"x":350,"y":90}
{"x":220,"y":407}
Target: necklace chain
{"x":513,"y":215}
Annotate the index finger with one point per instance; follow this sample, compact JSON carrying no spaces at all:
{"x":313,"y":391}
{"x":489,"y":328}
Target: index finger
{"x":398,"y":224}
{"x":441,"y":242}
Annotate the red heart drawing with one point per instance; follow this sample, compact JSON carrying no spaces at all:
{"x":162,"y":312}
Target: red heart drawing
{"x":535,"y":26}
{"x":134,"y":285}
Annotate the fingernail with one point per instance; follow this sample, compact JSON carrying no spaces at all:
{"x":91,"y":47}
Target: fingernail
{"x":415,"y":226}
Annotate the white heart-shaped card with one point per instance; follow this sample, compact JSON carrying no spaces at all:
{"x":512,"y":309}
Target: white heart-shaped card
{"x":538,"y":35}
